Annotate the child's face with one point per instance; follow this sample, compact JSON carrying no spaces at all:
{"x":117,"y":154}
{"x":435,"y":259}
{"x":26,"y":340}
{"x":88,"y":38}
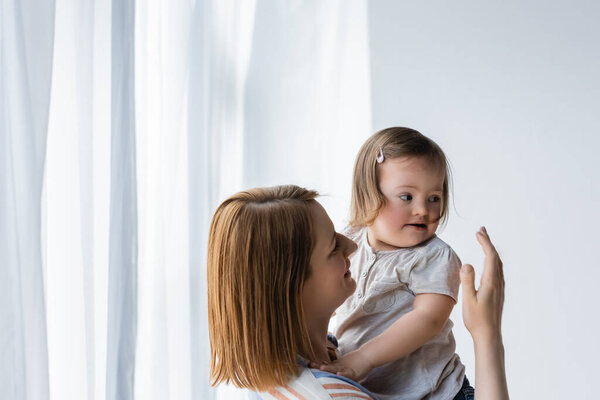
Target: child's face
{"x":412,"y":188}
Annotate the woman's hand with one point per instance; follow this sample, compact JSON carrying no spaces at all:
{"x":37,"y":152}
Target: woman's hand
{"x":482,"y":309}
{"x":482,"y":314}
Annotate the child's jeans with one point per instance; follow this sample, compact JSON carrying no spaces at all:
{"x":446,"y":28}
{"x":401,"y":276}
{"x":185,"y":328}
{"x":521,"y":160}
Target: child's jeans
{"x":466,"y":392}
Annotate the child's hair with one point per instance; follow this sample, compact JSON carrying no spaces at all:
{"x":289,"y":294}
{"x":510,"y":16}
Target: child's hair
{"x":396,"y":142}
{"x":259,"y":249}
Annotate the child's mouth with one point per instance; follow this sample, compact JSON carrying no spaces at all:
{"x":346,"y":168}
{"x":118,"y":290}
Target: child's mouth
{"x":418,"y":226}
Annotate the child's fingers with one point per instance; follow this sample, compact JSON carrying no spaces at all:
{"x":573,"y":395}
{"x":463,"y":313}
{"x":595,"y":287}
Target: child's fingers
{"x":339,"y":370}
{"x":467,"y":279}
{"x":333,"y":368}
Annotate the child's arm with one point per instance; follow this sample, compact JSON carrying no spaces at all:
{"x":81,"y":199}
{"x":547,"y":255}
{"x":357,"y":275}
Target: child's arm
{"x":411,"y":331}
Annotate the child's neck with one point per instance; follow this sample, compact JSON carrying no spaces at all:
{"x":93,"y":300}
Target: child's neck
{"x":378,"y":244}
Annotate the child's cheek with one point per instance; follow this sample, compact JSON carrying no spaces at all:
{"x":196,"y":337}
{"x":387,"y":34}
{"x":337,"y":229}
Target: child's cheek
{"x":400,"y":216}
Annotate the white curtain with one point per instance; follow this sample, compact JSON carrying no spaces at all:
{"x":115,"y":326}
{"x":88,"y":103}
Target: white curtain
{"x":76,"y":259}
{"x":123,"y":237}
{"x":159,"y":110}
{"x":90,"y":203}
{"x":25,"y":70}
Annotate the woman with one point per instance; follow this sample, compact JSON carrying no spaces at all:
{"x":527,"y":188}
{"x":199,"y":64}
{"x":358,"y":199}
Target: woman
{"x":277,"y":270}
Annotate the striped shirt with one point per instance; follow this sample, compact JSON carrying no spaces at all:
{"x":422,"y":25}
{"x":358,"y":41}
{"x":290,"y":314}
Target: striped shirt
{"x":317,"y":385}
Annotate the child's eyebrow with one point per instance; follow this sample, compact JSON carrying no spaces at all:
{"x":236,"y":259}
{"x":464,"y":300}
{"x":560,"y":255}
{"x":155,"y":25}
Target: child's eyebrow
{"x":416,"y":188}
{"x":406,"y":186}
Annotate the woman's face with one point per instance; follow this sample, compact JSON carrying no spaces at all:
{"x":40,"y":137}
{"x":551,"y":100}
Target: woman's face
{"x":329,"y":282}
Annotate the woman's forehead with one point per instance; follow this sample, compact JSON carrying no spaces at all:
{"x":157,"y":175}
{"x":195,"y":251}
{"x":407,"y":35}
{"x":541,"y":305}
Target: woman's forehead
{"x":322,"y":225}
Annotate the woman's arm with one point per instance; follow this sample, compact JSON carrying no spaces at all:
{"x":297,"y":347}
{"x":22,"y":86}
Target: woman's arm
{"x":482,"y":315}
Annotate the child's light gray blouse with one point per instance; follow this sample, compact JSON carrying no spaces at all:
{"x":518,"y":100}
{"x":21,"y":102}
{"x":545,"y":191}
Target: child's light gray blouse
{"x":387,"y":283}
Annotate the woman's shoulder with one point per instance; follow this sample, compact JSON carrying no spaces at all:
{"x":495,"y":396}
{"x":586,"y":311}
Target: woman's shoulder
{"x":340,"y":387}
{"x":318,"y":385}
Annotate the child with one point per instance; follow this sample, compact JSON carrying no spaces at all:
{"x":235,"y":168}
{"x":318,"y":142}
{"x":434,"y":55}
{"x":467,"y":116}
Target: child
{"x":394,"y":331}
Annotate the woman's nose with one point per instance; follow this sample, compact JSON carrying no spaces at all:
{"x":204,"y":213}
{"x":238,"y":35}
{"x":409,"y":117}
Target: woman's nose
{"x":349,"y":246}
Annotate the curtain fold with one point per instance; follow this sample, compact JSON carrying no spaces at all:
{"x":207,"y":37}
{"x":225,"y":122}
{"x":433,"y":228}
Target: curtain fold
{"x":122,"y":274}
{"x":200,"y":193}
{"x":220,"y":50}
{"x":68,"y":205}
{"x":26,"y":40}
{"x":76,"y":201}
{"x":163,"y":364}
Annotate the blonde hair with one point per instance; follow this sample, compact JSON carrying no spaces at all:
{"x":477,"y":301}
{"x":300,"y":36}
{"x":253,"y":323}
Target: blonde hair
{"x":259,"y":250}
{"x":396,"y":142}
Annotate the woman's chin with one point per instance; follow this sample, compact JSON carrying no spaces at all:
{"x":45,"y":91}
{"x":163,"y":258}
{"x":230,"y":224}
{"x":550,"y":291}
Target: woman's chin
{"x":352,"y":286}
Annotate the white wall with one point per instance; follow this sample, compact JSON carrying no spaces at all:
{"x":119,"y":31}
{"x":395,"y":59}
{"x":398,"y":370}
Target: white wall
{"x":511,"y":90}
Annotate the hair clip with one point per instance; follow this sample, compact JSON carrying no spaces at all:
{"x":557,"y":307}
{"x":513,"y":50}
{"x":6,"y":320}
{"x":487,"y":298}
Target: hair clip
{"x":380,"y":157}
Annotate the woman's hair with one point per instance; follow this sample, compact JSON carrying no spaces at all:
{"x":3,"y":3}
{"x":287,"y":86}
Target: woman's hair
{"x":259,"y":250}
{"x":367,"y":198}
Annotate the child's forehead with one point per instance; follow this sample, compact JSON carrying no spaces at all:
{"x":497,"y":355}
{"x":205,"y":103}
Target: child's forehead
{"x":414,"y":165}
{"x":412,"y":172}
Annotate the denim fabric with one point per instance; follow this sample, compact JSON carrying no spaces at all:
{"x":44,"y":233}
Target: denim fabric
{"x":466,"y":392}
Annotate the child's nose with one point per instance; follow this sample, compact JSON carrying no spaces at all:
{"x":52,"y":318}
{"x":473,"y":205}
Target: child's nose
{"x":419,"y":208}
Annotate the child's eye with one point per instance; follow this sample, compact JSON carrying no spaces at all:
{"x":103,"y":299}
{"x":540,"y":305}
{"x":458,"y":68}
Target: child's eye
{"x":406,"y":197}
{"x":434,"y":199}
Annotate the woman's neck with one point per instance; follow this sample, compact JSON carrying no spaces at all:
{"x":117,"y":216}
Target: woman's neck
{"x":317,"y":332}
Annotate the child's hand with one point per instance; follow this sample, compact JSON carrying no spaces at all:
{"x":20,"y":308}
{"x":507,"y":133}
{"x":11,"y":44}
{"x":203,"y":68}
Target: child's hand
{"x":353,"y":365}
{"x":482,"y":309}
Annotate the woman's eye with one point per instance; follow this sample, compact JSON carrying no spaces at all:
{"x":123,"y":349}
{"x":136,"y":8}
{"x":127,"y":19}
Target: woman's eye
{"x":336,"y":248}
{"x":434,"y":199}
{"x":406,"y":197}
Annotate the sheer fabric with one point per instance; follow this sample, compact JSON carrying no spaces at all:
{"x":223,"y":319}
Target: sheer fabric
{"x":25,"y":70}
{"x":158,"y":111}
